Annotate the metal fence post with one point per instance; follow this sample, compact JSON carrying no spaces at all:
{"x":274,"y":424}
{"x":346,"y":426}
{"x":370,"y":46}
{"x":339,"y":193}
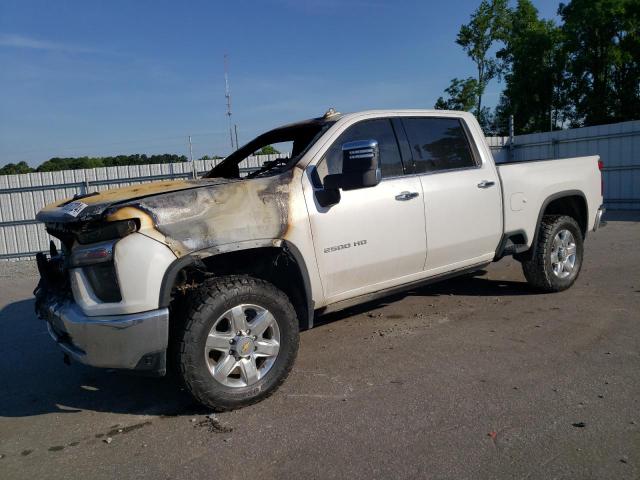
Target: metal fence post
{"x":511,"y":137}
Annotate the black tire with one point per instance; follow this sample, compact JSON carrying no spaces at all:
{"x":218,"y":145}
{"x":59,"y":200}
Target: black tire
{"x":204,"y":306}
{"x":538,"y":269}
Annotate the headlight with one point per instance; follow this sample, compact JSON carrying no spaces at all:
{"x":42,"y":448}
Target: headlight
{"x":108,"y":231}
{"x":97,"y":253}
{"x":97,"y":264}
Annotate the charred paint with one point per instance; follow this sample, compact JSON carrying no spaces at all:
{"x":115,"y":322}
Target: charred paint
{"x":126,"y":193}
{"x":97,"y":203}
{"x":195,"y":220}
{"x":195,"y":216}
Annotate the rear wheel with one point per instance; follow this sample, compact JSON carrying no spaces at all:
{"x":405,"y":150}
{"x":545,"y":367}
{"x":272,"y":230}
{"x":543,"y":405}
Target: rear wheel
{"x":238,"y":343}
{"x":557,"y":259}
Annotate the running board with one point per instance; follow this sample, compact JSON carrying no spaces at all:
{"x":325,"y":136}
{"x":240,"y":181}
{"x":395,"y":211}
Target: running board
{"x":368,"y":297}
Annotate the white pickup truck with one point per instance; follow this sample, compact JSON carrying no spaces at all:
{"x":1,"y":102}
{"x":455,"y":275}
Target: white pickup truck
{"x":216,"y":276}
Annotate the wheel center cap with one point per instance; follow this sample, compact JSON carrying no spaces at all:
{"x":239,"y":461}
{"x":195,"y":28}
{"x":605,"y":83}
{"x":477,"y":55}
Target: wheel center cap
{"x":244,"y":346}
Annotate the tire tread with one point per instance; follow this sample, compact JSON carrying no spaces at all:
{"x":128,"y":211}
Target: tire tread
{"x":535,"y":269}
{"x":198,"y":301}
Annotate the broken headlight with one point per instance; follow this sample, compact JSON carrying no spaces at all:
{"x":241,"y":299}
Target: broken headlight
{"x":108,"y":231}
{"x":90,"y":255}
{"x":96,"y":261}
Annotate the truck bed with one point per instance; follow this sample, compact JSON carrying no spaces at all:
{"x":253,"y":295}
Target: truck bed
{"x":528,"y":186}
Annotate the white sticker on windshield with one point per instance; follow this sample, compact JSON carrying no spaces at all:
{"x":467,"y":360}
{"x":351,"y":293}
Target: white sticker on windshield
{"x":74,"y":208}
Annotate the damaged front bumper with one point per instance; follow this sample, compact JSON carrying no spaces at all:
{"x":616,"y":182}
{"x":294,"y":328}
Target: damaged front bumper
{"x":133,"y":342}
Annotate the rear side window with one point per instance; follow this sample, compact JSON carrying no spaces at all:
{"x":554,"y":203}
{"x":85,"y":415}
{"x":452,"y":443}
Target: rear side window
{"x":438,"y":144}
{"x":378,"y":129}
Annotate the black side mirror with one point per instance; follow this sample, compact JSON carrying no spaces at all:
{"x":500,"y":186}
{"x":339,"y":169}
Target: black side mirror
{"x":360,"y":169}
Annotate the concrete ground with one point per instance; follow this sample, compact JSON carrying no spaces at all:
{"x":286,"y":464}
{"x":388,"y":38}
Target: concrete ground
{"x":476,"y":377}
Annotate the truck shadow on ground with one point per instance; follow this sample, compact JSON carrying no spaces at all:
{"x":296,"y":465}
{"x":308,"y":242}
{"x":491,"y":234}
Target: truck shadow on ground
{"x":34,"y":379}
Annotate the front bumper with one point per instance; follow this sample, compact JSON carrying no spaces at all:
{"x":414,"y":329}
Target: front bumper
{"x":134,"y":341}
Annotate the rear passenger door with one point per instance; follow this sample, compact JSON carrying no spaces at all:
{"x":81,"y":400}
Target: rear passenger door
{"x":463,"y":205}
{"x":375,"y":236}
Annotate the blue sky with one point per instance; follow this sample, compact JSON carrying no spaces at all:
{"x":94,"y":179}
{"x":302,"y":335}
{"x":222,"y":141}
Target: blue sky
{"x":137,"y":76}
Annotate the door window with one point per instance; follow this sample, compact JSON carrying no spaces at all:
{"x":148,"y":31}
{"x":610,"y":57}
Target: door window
{"x":379,"y":129}
{"x":438,"y":144}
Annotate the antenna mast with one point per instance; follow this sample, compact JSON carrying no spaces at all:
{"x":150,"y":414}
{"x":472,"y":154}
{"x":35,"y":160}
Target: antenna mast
{"x":227,"y":95}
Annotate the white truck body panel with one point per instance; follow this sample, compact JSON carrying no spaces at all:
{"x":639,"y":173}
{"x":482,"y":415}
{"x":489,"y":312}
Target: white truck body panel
{"x":389,"y":233}
{"x":527,"y":185}
{"x":462,"y":227}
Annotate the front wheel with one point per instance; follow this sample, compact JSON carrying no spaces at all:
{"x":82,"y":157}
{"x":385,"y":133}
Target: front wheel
{"x":557,"y":258}
{"x":238,"y":342}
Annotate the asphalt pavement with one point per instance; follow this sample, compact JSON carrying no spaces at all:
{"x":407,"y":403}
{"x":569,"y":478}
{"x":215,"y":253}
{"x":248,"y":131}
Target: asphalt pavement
{"x":477,"y":377}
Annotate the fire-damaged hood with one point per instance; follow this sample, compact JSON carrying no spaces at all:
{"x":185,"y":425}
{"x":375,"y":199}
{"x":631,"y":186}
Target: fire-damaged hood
{"x":186,"y":215}
{"x":92,"y":205}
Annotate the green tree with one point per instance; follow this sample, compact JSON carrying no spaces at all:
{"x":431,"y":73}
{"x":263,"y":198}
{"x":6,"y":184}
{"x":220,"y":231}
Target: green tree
{"x":74,"y":163}
{"x":602,"y":38}
{"x":268,"y":150}
{"x":477,"y":37}
{"x":16,"y":168}
{"x":69,"y":163}
{"x":462,"y":95}
{"x":532,"y":62}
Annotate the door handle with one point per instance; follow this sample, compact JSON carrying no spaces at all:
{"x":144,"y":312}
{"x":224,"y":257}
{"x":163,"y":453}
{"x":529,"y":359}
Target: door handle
{"x":486,"y":184}
{"x":402,"y":196}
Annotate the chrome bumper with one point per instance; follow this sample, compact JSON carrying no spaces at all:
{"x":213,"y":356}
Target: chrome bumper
{"x":133,"y":342}
{"x":599,"y":222}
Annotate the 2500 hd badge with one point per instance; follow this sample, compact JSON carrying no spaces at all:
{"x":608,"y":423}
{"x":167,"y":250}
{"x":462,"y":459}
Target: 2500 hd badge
{"x":344,"y":246}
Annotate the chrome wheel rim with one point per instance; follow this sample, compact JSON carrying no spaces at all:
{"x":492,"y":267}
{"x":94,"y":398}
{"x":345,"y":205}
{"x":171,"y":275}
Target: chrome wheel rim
{"x":563,"y":254}
{"x":242,"y":345}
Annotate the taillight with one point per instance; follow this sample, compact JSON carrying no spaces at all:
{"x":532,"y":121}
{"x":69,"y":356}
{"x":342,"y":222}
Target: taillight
{"x":601,"y":168}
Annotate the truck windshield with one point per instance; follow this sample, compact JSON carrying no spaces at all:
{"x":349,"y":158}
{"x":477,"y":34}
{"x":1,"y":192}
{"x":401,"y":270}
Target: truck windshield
{"x":299,"y":137}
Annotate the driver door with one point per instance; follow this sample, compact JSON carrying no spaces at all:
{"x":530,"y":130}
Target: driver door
{"x":373,"y":238}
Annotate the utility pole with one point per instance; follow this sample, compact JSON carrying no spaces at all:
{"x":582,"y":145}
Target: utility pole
{"x":227,"y":94}
{"x":235,"y":126}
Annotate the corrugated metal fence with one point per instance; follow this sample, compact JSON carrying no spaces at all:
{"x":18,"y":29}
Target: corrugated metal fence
{"x":22,"y":196}
{"x":618,"y":145}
